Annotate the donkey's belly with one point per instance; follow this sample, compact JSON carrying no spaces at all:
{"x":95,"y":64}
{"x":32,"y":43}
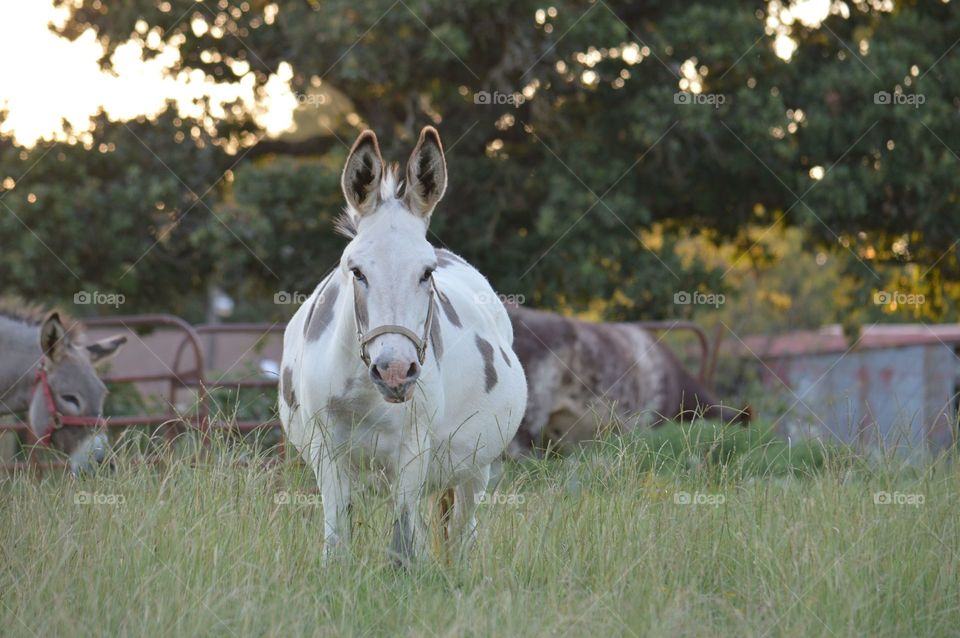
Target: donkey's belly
{"x":369,"y":433}
{"x":374,"y":464}
{"x":374,"y":449}
{"x":450,"y":466}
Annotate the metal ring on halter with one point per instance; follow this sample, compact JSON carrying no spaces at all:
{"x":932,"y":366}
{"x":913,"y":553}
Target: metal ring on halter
{"x":366,"y":337}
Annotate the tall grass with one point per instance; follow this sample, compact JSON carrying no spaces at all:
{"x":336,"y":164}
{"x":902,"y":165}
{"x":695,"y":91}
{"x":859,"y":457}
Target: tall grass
{"x":682,"y":531}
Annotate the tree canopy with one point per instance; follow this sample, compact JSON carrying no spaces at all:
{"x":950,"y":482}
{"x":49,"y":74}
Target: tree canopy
{"x":584,"y":139}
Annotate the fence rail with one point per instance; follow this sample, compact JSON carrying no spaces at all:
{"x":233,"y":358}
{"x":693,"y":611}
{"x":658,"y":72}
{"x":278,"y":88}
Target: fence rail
{"x":179,"y":376}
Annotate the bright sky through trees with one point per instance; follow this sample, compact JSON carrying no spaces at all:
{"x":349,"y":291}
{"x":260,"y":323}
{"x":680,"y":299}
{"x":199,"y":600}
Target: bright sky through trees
{"x":37,"y":106}
{"x":47,"y":79}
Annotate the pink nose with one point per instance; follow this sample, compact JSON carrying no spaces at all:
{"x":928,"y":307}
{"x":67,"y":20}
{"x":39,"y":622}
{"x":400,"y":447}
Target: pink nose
{"x":394,"y":374}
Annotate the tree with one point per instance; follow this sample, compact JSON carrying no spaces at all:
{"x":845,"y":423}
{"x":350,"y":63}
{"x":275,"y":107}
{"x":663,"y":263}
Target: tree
{"x":109,"y":213}
{"x":552,"y":194}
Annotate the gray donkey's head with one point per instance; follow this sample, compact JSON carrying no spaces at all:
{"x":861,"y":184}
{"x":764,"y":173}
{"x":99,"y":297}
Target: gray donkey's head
{"x":76,"y":390}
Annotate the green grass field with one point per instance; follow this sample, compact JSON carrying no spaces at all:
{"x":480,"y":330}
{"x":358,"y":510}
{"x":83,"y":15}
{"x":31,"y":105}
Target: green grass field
{"x":774,"y":541}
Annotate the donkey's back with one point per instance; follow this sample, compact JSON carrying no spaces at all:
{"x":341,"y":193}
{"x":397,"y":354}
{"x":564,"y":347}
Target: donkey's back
{"x":485,"y":389}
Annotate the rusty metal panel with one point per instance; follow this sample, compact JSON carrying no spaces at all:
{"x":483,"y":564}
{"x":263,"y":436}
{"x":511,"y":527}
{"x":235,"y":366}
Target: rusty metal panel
{"x":898,"y":399}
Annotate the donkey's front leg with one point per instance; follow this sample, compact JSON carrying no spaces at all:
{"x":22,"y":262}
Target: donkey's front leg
{"x":333,"y":479}
{"x":409,"y":531}
{"x":463,"y":522}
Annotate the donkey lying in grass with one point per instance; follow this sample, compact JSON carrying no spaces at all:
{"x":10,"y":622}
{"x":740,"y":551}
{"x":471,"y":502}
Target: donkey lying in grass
{"x":586,"y":377}
{"x":47,"y":371}
{"x":392,"y":363}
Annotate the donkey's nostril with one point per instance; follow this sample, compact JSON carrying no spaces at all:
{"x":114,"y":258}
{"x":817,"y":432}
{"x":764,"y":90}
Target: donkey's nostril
{"x":393,"y":374}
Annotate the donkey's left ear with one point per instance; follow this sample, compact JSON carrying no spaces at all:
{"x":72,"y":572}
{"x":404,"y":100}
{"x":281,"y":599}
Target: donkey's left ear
{"x":426,"y":173}
{"x":53,"y":337}
{"x":105,"y":348}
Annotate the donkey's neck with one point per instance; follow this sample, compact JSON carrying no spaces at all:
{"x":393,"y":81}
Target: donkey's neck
{"x":19,"y":357}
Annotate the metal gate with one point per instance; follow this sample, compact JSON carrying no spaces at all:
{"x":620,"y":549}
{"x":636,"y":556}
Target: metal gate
{"x":189,"y":371}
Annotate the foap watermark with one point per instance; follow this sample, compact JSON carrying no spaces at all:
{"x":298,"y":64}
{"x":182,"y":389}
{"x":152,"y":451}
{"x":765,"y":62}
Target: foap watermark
{"x":696,"y":298}
{"x":497,"y":98}
{"x":887,"y":297}
{"x":311,"y":99}
{"x":898,"y":98}
{"x":491,"y":297}
{"x":285,"y":298}
{"x":499,"y":498}
{"x":898,"y":498}
{"x":699,"y":498}
{"x":296,"y":498}
{"x":98,"y":298}
{"x":99,"y":498}
{"x":716,"y":100}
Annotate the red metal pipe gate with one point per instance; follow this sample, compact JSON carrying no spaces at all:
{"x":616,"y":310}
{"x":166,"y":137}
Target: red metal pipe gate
{"x":194,"y":378}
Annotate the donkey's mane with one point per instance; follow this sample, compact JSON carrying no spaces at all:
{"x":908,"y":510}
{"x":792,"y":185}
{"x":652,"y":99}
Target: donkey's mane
{"x":391,"y":187}
{"x":32,"y":314}
{"x":345,"y":225}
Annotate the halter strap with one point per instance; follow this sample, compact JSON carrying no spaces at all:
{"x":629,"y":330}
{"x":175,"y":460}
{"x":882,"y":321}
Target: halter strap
{"x":59,"y":420}
{"x":363,"y":338}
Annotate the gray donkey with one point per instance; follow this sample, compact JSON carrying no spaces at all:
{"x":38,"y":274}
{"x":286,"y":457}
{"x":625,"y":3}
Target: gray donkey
{"x":585,"y":377}
{"x":47,"y":370}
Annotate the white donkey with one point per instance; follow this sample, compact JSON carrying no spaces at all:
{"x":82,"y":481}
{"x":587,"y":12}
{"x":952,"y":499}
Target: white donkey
{"x":401,"y":359}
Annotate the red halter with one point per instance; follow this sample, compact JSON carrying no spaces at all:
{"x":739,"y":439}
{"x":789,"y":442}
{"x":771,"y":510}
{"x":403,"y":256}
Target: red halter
{"x":59,"y":420}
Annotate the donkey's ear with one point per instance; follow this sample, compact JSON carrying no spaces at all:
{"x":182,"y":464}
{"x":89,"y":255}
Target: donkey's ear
{"x":53,"y":337}
{"x":362,"y":174}
{"x":426,"y":173}
{"x":105,"y":348}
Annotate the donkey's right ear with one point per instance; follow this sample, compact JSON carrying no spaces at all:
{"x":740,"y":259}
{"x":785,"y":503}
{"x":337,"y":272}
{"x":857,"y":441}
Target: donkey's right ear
{"x":53,"y":337}
{"x":362,"y":174}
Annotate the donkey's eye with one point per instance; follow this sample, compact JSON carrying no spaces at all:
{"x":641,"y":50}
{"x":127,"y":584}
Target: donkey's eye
{"x":426,"y":275}
{"x":72,"y":399}
{"x":359,"y":275}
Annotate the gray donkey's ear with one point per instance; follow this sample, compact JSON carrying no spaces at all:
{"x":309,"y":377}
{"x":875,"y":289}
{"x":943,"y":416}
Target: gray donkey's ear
{"x":426,"y":173}
{"x":105,"y":348}
{"x":53,"y":337}
{"x":362,"y":174}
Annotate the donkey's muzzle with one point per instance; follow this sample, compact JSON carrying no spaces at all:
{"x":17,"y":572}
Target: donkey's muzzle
{"x":395,"y":379}
{"x":92,"y":455}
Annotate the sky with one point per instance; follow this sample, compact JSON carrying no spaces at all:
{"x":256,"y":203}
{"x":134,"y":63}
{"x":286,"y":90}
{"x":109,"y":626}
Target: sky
{"x":47,"y":78}
{"x":51,"y":78}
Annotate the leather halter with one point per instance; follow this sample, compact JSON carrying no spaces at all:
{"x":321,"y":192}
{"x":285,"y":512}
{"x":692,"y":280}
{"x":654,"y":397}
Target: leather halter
{"x":366,"y":337}
{"x":59,"y":420}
